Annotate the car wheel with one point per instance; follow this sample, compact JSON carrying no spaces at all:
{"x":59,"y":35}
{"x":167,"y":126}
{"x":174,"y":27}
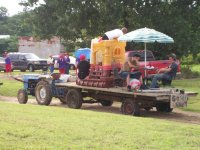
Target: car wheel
{"x":31,"y":68}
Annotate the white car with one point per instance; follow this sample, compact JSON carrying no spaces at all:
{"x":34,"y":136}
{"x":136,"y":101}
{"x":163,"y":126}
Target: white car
{"x":72,"y":62}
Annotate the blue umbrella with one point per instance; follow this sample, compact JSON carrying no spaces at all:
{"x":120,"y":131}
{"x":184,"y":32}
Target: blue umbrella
{"x":85,"y":51}
{"x":146,"y":35}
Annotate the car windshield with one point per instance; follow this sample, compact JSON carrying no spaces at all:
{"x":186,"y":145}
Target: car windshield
{"x":31,"y":56}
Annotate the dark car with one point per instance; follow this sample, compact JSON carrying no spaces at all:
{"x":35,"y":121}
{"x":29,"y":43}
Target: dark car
{"x":2,"y":64}
{"x":27,"y":61}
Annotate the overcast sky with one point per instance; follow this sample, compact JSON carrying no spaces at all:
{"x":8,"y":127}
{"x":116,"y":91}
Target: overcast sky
{"x":12,"y":6}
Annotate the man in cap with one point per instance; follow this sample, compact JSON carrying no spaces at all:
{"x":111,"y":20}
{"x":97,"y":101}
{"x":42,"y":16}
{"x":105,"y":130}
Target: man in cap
{"x":167,"y":73}
{"x":83,"y":67}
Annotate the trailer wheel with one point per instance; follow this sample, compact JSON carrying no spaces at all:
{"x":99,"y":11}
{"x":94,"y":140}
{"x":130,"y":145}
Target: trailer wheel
{"x":62,"y":100}
{"x":147,"y":108}
{"x":43,"y":93}
{"x":129,"y":107}
{"x":106,"y":103}
{"x":22,"y":96}
{"x":74,"y":99}
{"x":163,"y":107}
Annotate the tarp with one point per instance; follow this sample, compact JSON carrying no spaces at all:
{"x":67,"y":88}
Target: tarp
{"x":85,"y":51}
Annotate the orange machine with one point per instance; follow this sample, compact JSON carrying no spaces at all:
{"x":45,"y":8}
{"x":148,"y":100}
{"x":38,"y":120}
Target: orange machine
{"x":106,"y":60}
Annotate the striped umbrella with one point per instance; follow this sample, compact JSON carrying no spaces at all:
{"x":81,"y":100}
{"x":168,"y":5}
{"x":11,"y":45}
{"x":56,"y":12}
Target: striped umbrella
{"x":146,"y":35}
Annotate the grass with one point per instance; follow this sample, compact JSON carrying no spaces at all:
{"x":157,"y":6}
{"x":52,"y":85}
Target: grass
{"x":40,"y":127}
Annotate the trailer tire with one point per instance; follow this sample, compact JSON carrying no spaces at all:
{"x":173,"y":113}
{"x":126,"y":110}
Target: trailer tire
{"x":43,"y":93}
{"x":106,"y":103}
{"x":62,"y":100}
{"x":22,"y":96}
{"x":74,"y":99}
{"x":163,"y":107}
{"x":129,"y":107}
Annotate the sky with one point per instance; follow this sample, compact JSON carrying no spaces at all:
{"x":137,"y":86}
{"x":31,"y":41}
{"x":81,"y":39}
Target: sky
{"x":12,"y":6}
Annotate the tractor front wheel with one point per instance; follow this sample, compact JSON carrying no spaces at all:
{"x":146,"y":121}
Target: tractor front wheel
{"x":22,"y":96}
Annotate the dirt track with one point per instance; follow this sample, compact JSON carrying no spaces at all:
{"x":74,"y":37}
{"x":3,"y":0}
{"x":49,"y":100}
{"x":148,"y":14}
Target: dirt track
{"x":177,"y":115}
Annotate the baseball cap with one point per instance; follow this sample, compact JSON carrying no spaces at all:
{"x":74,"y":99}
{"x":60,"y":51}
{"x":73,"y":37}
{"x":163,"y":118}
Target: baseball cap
{"x":172,"y":55}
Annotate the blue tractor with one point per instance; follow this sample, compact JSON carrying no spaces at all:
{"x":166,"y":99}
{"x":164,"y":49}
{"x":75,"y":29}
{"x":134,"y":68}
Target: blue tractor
{"x":42,"y":87}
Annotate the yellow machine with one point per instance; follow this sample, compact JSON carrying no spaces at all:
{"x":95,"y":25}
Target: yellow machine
{"x":107,"y":53}
{"x":106,"y":59}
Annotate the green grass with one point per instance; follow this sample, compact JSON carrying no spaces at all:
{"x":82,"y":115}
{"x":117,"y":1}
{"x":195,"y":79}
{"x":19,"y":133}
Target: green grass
{"x":195,"y":67}
{"x":40,"y":127}
{"x":190,"y":85}
{"x":10,"y":87}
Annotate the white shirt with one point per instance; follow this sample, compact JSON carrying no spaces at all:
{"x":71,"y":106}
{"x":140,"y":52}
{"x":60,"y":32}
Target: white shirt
{"x":114,"y":34}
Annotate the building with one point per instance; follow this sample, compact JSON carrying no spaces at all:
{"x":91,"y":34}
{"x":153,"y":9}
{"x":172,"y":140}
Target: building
{"x":42,"y":48}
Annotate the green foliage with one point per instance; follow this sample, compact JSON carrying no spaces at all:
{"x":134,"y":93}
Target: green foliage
{"x":39,"y":127}
{"x":190,"y":59}
{"x":188,"y":73}
{"x":3,"y":13}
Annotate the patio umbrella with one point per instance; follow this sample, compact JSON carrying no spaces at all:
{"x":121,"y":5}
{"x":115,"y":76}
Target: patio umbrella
{"x":146,"y":35}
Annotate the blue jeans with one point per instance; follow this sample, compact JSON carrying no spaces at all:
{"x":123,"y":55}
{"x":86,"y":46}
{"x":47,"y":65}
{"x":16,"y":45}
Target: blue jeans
{"x":159,"y":77}
{"x":51,"y":68}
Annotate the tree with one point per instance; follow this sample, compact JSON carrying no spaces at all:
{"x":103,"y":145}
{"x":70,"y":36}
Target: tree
{"x":77,"y":22}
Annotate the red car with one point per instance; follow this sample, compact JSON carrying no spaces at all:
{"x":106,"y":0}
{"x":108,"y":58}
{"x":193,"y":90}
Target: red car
{"x":151,"y":64}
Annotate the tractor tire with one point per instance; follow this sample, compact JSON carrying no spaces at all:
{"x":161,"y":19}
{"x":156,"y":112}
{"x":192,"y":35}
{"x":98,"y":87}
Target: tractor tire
{"x":43,"y":93}
{"x":22,"y":96}
{"x":129,"y":107}
{"x":74,"y":99}
{"x":106,"y":103}
{"x":163,"y":107}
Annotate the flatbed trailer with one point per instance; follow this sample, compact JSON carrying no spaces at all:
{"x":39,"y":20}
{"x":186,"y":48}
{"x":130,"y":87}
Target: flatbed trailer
{"x":45,"y":88}
{"x":163,"y":99}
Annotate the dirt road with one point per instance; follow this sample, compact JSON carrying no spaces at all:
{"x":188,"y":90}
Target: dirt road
{"x":177,"y":115}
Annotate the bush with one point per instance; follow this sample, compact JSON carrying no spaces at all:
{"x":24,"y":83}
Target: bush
{"x":187,"y":73}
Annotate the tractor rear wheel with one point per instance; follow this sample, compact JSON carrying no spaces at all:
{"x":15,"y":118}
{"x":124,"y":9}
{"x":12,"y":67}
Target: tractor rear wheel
{"x":43,"y":93}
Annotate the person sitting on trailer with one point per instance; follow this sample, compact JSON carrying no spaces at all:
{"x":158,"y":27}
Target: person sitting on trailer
{"x":167,"y":73}
{"x":83,"y":67}
{"x":130,"y":69}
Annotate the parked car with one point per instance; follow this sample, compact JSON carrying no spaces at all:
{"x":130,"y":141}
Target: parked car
{"x":2,"y":64}
{"x":27,"y":61}
{"x":72,"y":62}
